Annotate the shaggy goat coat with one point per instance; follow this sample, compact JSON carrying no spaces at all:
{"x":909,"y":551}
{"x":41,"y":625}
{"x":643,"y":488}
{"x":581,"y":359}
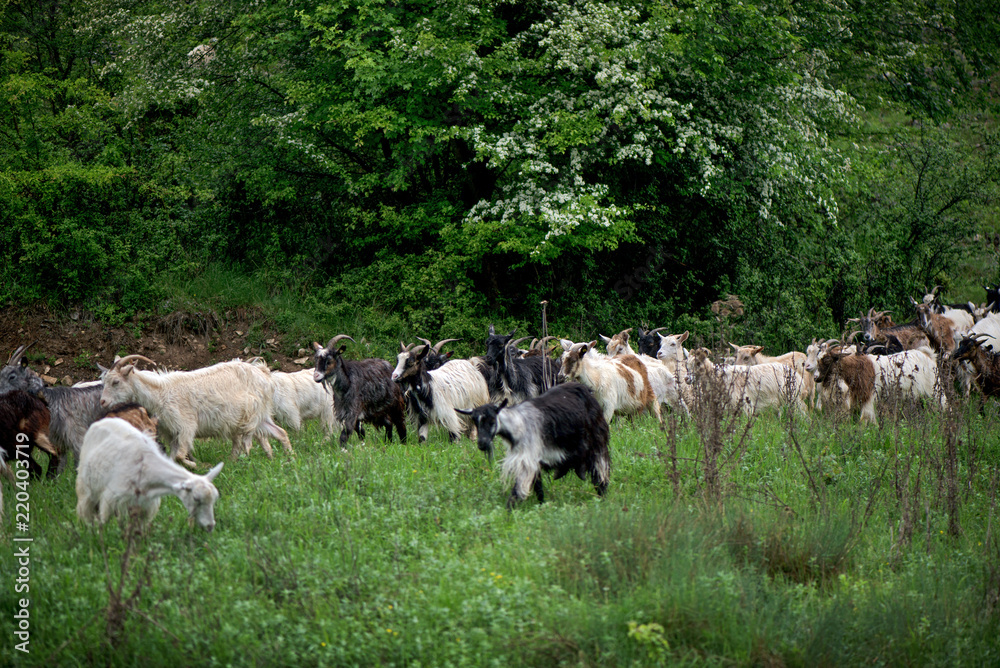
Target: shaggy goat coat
{"x":229,"y":400}
{"x":562,"y":430}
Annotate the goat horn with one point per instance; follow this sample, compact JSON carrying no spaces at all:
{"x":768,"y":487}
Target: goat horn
{"x":517,"y":341}
{"x":437,"y":346}
{"x":426,"y":342}
{"x":128,"y":360}
{"x":541,"y":342}
{"x":15,"y":356}
{"x":654,"y":331}
{"x":337,"y":338}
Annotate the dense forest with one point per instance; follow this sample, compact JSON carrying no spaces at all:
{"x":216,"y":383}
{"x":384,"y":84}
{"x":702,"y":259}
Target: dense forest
{"x":452,"y":162}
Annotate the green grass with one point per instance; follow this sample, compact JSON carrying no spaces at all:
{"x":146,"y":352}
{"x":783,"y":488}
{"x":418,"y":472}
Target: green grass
{"x":389,"y":554}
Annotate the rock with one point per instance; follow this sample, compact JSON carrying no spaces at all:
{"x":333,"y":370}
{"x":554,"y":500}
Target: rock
{"x":49,"y":380}
{"x":302,"y":352}
{"x":66,"y":380}
{"x":57,"y":362}
{"x":302,"y":361}
{"x":239,"y":333}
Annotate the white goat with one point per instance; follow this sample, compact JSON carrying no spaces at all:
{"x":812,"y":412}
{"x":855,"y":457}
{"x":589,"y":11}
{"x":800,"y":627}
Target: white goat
{"x":231,"y":400}
{"x":621,"y":385}
{"x":751,"y":355}
{"x":750,"y":388}
{"x":989,"y":325}
{"x":297,"y":398}
{"x":913,"y":372}
{"x":661,"y":378}
{"x":672,"y":353}
{"x":121,"y":468}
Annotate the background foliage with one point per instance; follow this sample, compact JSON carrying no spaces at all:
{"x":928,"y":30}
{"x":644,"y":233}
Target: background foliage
{"x":455,"y":162}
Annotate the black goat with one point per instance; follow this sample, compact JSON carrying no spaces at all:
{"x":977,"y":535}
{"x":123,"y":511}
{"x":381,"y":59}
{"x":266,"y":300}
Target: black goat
{"x":648,"y":343}
{"x":24,"y":419}
{"x":73,"y":409}
{"x":562,"y":430}
{"x":363,"y":391}
{"x":520,"y":378}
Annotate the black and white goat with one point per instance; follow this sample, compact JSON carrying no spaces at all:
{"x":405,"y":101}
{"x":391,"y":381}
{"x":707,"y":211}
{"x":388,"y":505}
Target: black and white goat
{"x":363,"y":391}
{"x":562,"y":430}
{"x":437,"y":393}
{"x":520,"y":377}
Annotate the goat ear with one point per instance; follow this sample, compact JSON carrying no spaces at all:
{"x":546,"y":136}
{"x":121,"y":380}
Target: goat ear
{"x":214,"y":471}
{"x":512,"y":333}
{"x":448,"y":354}
{"x":566,"y":344}
{"x":684,"y":336}
{"x":735,"y":347}
{"x":503,"y":404}
{"x":492,"y":331}
{"x":183,"y":486}
{"x":423,"y":352}
{"x":757,"y":349}
{"x":590,"y":346}
{"x":463,"y":411}
{"x":604,"y":338}
{"x":341,"y":349}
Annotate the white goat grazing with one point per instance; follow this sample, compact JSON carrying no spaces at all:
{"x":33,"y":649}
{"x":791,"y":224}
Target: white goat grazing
{"x":621,"y":385}
{"x":297,"y":398}
{"x":231,"y":400}
{"x":121,"y":468}
{"x":750,"y":388}
{"x":661,"y":378}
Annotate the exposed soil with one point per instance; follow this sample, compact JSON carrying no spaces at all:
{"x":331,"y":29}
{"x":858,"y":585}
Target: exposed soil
{"x":66,"y":346}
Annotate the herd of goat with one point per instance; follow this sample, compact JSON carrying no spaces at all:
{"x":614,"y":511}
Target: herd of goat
{"x":553,"y":412}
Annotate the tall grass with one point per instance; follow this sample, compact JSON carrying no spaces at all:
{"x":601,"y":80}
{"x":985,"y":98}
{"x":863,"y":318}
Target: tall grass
{"x":810,"y":542}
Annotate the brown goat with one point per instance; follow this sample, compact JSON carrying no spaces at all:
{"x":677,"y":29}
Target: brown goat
{"x":877,"y":327}
{"x":857,"y":372}
{"x":940,"y":330}
{"x":25,"y":414}
{"x":136,"y":416}
{"x":985,"y":363}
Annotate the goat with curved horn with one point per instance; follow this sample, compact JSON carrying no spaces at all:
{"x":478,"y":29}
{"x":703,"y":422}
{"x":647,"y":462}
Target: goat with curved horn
{"x":437,"y":346}
{"x":128,"y":359}
{"x":339,"y":338}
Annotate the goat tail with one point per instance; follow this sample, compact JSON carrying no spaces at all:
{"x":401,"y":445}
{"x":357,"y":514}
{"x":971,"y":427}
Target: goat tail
{"x":268,"y":429}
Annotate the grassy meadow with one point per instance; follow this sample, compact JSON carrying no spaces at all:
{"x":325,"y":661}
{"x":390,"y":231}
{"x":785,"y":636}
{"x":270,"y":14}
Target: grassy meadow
{"x":784,"y":540}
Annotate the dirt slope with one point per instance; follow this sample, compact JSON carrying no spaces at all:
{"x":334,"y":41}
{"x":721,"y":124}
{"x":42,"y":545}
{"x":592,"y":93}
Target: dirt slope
{"x":67,"y":345}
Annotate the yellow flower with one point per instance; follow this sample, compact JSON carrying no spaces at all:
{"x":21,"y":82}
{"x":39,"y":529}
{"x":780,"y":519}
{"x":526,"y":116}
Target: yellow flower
{"x":388,"y":630}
